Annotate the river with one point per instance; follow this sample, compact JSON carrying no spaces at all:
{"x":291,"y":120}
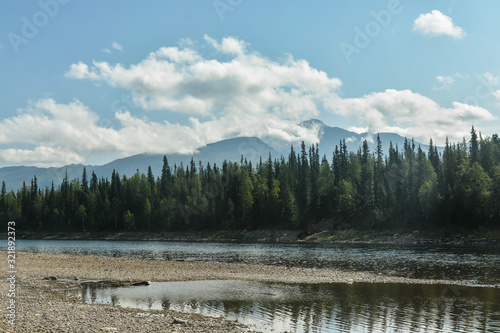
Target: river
{"x":302,"y":308}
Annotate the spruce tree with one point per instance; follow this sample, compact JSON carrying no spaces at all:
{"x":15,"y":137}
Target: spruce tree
{"x":474,"y":146}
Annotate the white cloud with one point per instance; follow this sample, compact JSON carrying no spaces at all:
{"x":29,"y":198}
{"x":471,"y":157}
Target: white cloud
{"x":491,"y":78}
{"x":56,"y":130}
{"x":411,"y":114}
{"x":445,"y":82}
{"x":117,"y":46}
{"x":181,"y":80}
{"x":245,"y":94}
{"x":352,"y":138}
{"x":227,"y":45}
{"x":68,"y":133}
{"x":248,"y":94}
{"x":461,"y":76}
{"x":496,"y":94}
{"x":41,"y":156}
{"x":358,"y":130}
{"x":80,"y":71}
{"x":436,"y":23}
{"x":114,"y":46}
{"x":445,"y":79}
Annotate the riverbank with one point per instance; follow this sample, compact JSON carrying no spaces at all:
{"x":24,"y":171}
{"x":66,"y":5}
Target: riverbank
{"x":478,"y":237}
{"x":40,"y":308}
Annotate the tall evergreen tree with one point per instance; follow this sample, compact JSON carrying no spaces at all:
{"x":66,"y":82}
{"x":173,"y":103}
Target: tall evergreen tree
{"x":474,"y":146}
{"x":85,"y":183}
{"x":302,"y":185}
{"x":166,"y":179}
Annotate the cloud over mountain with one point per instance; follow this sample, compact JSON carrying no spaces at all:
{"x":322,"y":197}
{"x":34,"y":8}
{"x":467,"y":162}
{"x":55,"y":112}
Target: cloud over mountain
{"x":413,"y":115}
{"x":226,"y":90}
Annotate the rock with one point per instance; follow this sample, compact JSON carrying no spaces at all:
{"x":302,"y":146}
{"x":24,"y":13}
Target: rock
{"x":76,"y":279}
{"x":142,"y":283}
{"x":217,"y":317}
{"x":178,"y":321}
{"x":52,"y":278}
{"x":109,"y":329}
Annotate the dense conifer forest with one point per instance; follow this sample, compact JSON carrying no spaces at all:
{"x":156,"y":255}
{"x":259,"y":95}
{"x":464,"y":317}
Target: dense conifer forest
{"x":404,"y":188}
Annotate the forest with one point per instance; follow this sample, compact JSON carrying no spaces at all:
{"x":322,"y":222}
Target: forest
{"x":404,"y":188}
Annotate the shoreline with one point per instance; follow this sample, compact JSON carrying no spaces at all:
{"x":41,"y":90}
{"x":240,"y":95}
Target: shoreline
{"x":281,"y":237}
{"x":39,"y":307}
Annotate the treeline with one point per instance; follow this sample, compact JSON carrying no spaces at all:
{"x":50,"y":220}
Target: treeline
{"x":404,"y":188}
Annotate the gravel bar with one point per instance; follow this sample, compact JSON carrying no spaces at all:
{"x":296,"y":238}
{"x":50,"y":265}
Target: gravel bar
{"x":41,"y":309}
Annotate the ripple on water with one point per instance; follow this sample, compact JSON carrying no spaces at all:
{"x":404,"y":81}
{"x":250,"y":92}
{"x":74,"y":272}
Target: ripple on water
{"x":357,"y":307}
{"x":475,"y":263}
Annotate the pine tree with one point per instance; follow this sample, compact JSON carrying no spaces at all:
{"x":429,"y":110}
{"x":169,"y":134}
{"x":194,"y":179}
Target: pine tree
{"x":3,"y":204}
{"x":85,"y":183}
{"x":314,"y":175}
{"x":474,"y":146}
{"x":433,"y":155}
{"x":165,"y":182}
{"x":94,"y":182}
{"x":302,"y":186}
{"x":3,"y":195}
{"x":379,"y":181}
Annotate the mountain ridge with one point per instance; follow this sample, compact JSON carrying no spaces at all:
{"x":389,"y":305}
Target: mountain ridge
{"x":232,"y":149}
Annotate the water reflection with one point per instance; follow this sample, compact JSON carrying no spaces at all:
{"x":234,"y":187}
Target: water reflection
{"x":358,"y":307}
{"x":476,"y":263}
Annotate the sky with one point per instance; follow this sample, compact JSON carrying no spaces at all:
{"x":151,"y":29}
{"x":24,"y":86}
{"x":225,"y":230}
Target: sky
{"x":91,"y":81}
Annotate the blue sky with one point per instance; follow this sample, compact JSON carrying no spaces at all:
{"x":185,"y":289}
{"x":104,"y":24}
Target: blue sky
{"x":90,"y":81}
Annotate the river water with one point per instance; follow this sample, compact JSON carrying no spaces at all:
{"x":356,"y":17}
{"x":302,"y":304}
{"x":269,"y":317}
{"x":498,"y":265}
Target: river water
{"x":278,"y":307}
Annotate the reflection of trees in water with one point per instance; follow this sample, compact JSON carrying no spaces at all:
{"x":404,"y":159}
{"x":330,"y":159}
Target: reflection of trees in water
{"x":380,"y":307}
{"x":344,"y":307}
{"x":114,"y":300}
{"x":89,"y":294}
{"x":150,"y":302}
{"x":165,"y":304}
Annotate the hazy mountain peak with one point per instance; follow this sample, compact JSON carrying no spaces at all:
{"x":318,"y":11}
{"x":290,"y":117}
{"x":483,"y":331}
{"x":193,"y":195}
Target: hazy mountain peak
{"x":251,"y":148}
{"x":239,"y":144}
{"x":311,"y":123}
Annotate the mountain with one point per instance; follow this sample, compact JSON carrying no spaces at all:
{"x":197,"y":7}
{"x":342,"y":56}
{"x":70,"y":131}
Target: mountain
{"x":251,"y":148}
{"x":14,"y":176}
{"x":331,"y":137}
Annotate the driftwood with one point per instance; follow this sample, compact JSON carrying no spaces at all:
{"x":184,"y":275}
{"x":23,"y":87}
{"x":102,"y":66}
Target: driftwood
{"x":142,"y":283}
